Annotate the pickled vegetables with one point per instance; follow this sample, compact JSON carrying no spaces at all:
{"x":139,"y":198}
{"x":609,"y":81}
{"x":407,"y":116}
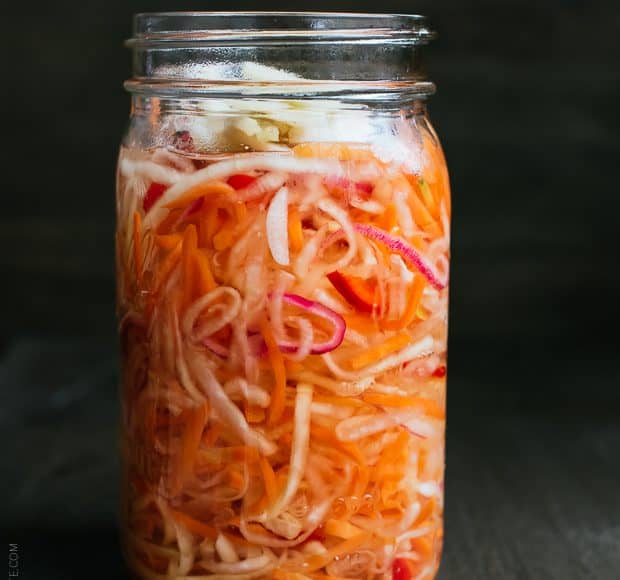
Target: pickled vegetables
{"x":283,"y":329}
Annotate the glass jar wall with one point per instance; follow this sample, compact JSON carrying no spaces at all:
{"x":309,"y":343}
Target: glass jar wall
{"x":283,"y":214}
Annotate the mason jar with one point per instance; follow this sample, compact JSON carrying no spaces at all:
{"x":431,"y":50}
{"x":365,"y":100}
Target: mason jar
{"x":283,"y":226}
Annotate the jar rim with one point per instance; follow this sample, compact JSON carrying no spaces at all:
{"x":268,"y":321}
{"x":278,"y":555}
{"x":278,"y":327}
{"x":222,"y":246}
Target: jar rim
{"x":203,"y":28}
{"x":347,"y":56}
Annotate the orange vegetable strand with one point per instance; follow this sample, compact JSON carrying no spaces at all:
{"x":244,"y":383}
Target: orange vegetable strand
{"x":190,"y":245}
{"x":206,"y":282}
{"x":279,"y":374}
{"x":413,"y":302}
{"x":427,"y":406}
{"x":374,"y":353}
{"x":295,"y":233}
{"x":211,"y":188}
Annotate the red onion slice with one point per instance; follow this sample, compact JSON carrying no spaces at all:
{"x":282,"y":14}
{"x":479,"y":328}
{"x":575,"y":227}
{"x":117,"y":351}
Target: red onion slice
{"x":317,"y":309}
{"x":404,"y":249}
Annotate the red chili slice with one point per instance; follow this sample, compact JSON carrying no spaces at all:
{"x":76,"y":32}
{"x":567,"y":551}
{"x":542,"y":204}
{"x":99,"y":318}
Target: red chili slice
{"x":440,"y":372}
{"x":154,"y":192}
{"x":364,"y":186}
{"x":356,"y":291}
{"x":401,"y":570}
{"x":240,"y":180}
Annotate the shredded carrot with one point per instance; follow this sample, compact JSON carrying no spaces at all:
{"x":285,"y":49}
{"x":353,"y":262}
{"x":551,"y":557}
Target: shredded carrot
{"x":206,"y":283}
{"x":198,"y":191}
{"x":240,"y":211}
{"x":418,"y":243}
{"x":169,"y":222}
{"x":286,"y":440}
{"x":326,"y":435}
{"x":334,"y":151}
{"x":204,"y":239}
{"x":235,"y":478}
{"x":259,"y":506}
{"x":391,"y":496}
{"x":215,"y":455}
{"x":319,"y":560}
{"x":168,"y":241}
{"x":269,"y":479}
{"x":212,"y":224}
{"x":355,"y":452}
{"x":391,"y":465}
{"x":384,"y":191}
{"x":251,"y":455}
{"x":203,"y":530}
{"x":422,"y":457}
{"x":293,"y":366}
{"x":279,"y":574}
{"x":428,"y":510}
{"x":190,"y":245}
{"x":379,"y":351}
{"x":341,"y":529}
{"x":427,"y":197}
{"x":351,"y":450}
{"x":295,"y":232}
{"x":363,"y":473}
{"x":423,"y":546}
{"x":360,"y":323}
{"x":137,"y":245}
{"x":388,"y":220}
{"x":195,"y":526}
{"x":225,"y":237}
{"x":421,"y":214}
{"x":255,"y":414}
{"x":320,"y":381}
{"x":332,"y":399}
{"x":276,"y":359}
{"x":427,"y":406}
{"x":258,"y":529}
{"x":194,"y":421}
{"x":413,"y":302}
{"x":167,"y":266}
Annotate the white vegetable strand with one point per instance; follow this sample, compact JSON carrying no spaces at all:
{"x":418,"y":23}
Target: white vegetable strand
{"x":299,"y":448}
{"x":277,"y":227}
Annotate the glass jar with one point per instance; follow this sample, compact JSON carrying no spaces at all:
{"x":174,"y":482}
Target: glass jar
{"x":283,"y":214}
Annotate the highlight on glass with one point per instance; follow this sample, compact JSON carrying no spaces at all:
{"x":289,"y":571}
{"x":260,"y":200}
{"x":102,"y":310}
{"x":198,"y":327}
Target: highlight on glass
{"x":283,"y":226}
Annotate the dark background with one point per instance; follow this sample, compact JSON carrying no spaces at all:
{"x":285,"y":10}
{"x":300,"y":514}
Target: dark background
{"x":527,"y":104}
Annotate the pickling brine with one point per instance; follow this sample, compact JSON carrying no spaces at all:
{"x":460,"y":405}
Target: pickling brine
{"x":282,"y":294}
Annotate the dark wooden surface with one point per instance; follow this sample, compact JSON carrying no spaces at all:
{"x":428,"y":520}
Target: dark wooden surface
{"x":528,"y":496}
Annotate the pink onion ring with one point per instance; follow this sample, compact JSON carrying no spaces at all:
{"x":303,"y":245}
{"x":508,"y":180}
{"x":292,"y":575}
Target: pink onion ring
{"x":405,"y":250}
{"x":317,"y":309}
